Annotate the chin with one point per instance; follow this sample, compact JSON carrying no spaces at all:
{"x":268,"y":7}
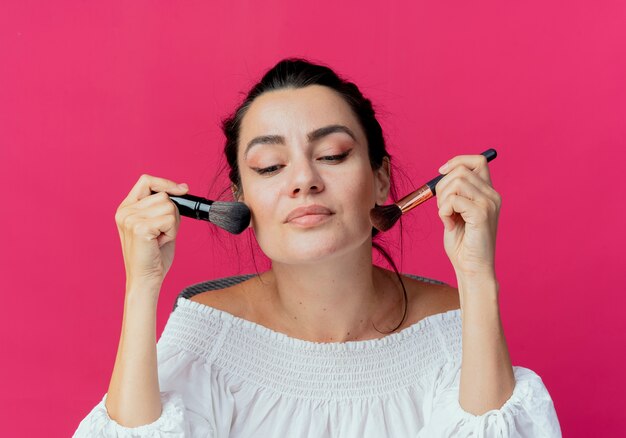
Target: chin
{"x":312,"y":249}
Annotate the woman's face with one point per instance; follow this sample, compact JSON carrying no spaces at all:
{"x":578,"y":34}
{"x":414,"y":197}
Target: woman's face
{"x":286,"y":160}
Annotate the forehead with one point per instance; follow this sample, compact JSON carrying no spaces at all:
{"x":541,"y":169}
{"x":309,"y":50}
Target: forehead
{"x":296,"y":111}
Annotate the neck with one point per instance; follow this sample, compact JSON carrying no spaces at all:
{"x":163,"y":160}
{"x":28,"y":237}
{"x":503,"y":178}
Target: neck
{"x":336,"y":300}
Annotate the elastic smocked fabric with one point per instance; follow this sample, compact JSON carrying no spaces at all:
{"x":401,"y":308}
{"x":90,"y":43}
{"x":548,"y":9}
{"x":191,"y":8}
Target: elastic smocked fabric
{"x":224,"y":376}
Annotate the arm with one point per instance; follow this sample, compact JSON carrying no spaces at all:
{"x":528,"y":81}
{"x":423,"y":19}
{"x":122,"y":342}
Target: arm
{"x":469,"y":396}
{"x":469,"y":208}
{"x":147,"y":223}
{"x":487,"y":379}
{"x":480,"y":393}
{"x":183,"y":392}
{"x":133,"y":397}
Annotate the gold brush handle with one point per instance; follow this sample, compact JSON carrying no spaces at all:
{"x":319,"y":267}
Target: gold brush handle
{"x":416,"y":198}
{"x":427,"y":191}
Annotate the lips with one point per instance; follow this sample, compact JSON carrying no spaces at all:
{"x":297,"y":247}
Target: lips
{"x":309,"y":209}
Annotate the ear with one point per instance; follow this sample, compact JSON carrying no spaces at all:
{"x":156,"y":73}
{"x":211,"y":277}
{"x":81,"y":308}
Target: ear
{"x":382,"y":182}
{"x":235,"y":191}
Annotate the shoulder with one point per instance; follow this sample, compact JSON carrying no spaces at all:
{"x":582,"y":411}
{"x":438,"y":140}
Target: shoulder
{"x":233,"y":299}
{"x":426,"y":299}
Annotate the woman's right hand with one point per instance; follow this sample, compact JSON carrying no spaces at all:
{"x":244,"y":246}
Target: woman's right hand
{"x":148,"y":225}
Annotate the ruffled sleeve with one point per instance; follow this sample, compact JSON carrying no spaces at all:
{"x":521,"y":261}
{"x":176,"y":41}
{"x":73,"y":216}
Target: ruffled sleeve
{"x":186,"y":409}
{"x":529,"y":412}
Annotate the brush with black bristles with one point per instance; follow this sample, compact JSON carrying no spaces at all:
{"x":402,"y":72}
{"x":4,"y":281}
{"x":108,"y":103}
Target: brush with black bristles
{"x":234,"y":217}
{"x":385,"y":216}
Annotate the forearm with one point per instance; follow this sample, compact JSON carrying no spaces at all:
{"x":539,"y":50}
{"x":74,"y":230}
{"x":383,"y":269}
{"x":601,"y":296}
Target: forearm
{"x":487,"y":379}
{"x":133,"y":398}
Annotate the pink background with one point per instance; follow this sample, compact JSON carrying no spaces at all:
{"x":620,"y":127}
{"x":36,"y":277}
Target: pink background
{"x":93,"y":94}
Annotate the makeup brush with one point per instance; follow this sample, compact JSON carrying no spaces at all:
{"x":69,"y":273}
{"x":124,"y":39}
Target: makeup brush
{"x":384,"y":217}
{"x":234,"y":217}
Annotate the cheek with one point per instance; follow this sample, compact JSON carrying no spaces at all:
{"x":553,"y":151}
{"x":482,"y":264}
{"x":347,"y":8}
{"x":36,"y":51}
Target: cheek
{"x":361,"y":188}
{"x":359,"y":199}
{"x":262,"y":204}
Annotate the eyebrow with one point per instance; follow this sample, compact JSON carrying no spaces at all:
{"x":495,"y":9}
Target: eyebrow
{"x":311,"y":136}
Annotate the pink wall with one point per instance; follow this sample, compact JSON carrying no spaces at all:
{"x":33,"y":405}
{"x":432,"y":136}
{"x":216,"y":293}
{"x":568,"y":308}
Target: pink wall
{"x":93,"y":94}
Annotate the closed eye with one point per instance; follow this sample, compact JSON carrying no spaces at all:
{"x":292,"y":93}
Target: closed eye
{"x":330,"y":158}
{"x":336,"y":157}
{"x":266,"y":170}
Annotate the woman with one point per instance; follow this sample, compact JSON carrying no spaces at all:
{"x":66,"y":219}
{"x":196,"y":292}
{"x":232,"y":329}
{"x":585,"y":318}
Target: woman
{"x":297,"y":351}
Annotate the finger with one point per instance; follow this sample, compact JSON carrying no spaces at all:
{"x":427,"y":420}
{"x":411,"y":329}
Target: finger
{"x":158,"y":228}
{"x":149,"y":207}
{"x":147,"y":183}
{"x":141,"y":209}
{"x":462,"y":175}
{"x":467,"y":190}
{"x":469,"y":210}
{"x":462,"y":188}
{"x":153,"y":199}
{"x":167,"y":226}
{"x":476,"y":163}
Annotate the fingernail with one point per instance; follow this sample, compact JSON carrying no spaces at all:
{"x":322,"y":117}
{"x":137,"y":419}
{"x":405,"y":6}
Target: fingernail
{"x":183,"y":186}
{"x":443,"y":168}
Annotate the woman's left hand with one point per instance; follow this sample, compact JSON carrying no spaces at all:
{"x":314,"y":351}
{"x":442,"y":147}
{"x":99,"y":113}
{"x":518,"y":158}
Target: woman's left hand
{"x":469,"y":208}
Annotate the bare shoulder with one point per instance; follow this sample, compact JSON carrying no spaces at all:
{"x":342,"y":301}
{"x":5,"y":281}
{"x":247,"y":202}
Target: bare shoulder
{"x":230,"y":299}
{"x":426,"y":299}
{"x":233,"y":299}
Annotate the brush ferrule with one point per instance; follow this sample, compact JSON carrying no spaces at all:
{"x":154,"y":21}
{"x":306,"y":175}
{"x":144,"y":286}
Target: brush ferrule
{"x":414,"y":199}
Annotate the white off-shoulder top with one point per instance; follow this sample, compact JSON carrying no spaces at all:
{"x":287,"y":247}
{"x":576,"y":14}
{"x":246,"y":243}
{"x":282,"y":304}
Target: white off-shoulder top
{"x":224,"y":376}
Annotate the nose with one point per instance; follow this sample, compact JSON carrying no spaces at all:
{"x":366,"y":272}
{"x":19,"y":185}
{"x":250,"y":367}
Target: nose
{"x":304,"y":179}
